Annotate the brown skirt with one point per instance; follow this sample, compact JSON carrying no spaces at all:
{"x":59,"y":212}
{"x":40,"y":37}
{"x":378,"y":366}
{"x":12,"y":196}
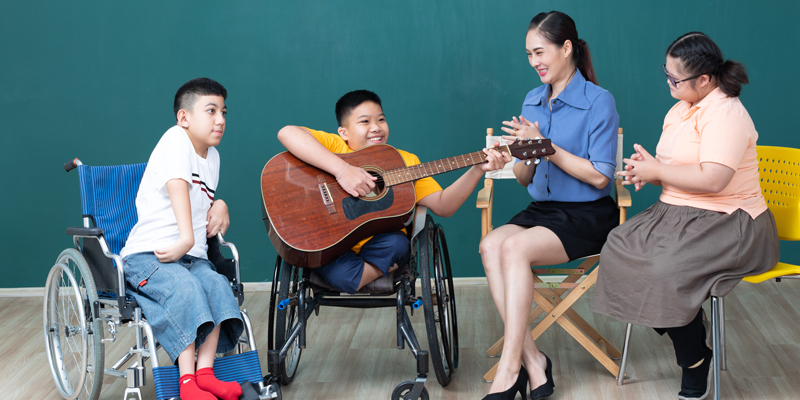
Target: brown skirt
{"x":659,"y":267}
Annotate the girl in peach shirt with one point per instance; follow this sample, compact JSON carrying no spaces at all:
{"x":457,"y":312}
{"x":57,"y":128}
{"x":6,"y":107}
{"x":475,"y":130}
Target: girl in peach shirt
{"x":711,"y":226}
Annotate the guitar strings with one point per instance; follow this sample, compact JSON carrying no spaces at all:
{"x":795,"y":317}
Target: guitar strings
{"x":429,"y":165}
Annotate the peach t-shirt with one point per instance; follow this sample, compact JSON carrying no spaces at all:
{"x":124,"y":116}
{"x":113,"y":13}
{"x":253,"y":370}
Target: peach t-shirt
{"x":717,"y":129}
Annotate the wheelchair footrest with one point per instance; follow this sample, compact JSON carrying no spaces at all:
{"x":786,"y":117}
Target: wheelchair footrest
{"x":236,"y":368}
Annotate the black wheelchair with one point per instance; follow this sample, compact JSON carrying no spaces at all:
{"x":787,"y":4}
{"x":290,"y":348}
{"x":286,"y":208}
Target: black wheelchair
{"x":298,"y":293}
{"x":86,"y":296}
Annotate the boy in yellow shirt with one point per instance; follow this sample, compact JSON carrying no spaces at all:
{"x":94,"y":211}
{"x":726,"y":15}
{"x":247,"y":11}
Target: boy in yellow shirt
{"x":362,"y":123}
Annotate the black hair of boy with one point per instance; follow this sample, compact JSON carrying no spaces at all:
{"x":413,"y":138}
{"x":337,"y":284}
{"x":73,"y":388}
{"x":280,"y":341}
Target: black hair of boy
{"x":351,"y":100}
{"x":190,"y":91}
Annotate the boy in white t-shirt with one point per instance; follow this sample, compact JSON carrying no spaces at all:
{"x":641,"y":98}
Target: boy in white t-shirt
{"x":190,"y":307}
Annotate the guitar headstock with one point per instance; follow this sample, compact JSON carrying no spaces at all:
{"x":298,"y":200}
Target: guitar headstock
{"x":524,"y":149}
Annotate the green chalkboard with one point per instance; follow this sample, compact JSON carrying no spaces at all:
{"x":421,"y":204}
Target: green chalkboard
{"x":95,"y":80}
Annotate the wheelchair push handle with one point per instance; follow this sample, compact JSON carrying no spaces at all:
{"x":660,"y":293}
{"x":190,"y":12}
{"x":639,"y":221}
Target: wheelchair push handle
{"x":72,"y":164}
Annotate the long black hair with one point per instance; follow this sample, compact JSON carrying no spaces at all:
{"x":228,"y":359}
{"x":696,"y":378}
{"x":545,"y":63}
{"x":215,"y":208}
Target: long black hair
{"x":557,"y":28}
{"x":700,"y":55}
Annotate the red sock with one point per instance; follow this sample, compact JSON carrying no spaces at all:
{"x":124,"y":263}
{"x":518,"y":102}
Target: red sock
{"x":224,"y":390}
{"x":190,"y":391}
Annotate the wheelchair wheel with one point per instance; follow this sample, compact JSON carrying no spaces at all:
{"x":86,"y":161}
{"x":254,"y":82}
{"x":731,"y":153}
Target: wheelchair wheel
{"x":438,"y":301}
{"x":404,"y":388}
{"x":446,"y":299}
{"x":72,"y":336}
{"x":285,"y":320}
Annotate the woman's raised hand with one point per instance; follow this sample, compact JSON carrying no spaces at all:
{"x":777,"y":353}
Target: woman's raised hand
{"x":521,"y":128}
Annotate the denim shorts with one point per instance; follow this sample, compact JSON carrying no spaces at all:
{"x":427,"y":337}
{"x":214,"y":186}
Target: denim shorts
{"x":184,"y":301}
{"x":383,"y":251}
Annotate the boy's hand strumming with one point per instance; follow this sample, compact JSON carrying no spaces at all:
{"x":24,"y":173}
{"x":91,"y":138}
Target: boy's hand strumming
{"x":355,"y":181}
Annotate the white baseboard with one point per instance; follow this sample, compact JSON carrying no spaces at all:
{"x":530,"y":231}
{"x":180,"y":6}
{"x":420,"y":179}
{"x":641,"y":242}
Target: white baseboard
{"x":264,"y":286}
{"x":22,"y":292}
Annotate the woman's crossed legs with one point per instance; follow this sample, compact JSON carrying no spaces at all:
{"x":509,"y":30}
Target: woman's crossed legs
{"x":508,"y":253}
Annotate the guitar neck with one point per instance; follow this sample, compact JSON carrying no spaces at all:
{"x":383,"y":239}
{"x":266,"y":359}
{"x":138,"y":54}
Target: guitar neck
{"x":419,"y":171}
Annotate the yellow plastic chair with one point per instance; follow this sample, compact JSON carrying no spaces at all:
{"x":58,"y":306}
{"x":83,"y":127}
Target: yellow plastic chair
{"x":779,"y":170}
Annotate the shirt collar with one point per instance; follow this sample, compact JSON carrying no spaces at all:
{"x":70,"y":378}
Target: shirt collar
{"x":574,"y":94}
{"x":716,"y":94}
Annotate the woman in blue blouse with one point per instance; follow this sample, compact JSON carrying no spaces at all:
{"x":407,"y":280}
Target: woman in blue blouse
{"x":572,"y":212}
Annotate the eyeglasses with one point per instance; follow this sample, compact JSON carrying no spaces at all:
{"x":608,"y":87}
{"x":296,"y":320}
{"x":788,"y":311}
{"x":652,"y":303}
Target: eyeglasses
{"x":673,"y":81}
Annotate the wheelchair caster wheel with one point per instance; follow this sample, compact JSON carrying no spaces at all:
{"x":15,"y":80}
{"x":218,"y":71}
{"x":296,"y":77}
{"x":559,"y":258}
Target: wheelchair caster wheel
{"x":272,"y":391}
{"x":404,"y":390}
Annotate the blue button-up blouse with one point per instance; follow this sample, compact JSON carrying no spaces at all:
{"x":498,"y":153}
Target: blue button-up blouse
{"x":584,"y":122}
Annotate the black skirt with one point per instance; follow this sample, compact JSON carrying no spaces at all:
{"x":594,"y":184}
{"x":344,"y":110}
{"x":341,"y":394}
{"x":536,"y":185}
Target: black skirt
{"x":582,"y":227}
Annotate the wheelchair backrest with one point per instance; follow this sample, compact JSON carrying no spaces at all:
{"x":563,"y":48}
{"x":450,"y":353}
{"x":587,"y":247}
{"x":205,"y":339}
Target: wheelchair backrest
{"x":108,"y":196}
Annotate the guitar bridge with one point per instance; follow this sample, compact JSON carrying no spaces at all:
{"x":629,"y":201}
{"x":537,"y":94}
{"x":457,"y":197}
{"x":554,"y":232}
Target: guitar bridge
{"x":327,"y":197}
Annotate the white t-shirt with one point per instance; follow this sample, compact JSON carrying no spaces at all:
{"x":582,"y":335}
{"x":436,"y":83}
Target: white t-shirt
{"x":173,"y":158}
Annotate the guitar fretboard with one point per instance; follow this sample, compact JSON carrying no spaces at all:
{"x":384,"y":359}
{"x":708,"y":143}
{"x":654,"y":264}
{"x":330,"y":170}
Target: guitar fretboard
{"x":419,"y":171}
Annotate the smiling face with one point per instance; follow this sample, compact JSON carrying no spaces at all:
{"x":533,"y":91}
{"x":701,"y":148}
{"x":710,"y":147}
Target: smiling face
{"x":366,"y":125}
{"x":552,"y":62}
{"x":204,"y":123}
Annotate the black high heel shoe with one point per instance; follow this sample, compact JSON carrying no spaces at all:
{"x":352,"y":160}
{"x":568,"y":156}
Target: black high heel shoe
{"x":547,"y":388}
{"x":519,"y":386}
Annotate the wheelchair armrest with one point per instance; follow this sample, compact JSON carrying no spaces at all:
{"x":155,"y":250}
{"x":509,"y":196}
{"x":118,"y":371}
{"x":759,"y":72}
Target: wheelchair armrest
{"x":419,"y":220}
{"x":226,"y":266}
{"x":83,"y":231}
{"x":485,"y":194}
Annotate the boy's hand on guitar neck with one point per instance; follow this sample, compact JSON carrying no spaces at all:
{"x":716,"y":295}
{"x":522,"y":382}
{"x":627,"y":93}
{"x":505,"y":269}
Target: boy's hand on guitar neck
{"x":356,"y":181}
{"x":494,"y":159}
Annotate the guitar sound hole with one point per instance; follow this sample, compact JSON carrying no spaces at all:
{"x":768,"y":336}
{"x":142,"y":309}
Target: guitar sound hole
{"x":379,"y":188}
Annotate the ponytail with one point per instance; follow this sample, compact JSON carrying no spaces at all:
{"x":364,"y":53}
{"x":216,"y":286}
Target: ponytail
{"x":732,"y":75}
{"x":583,"y":61}
{"x":557,"y":28}
{"x":700,"y":55}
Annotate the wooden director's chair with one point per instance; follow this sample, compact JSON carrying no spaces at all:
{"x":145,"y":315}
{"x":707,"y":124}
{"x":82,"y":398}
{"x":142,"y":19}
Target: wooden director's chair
{"x":548,"y":296}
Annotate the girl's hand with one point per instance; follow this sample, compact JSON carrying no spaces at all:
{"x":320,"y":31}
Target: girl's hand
{"x":640,"y":168}
{"x":521,"y":128}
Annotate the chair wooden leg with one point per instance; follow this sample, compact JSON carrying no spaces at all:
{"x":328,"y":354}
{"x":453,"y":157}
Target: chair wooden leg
{"x":715,"y":339}
{"x":624,"y":362}
{"x":589,"y":330}
{"x":548,"y":300}
{"x":557,"y":315}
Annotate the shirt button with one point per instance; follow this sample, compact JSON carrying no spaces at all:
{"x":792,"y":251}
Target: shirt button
{"x":545,"y":176}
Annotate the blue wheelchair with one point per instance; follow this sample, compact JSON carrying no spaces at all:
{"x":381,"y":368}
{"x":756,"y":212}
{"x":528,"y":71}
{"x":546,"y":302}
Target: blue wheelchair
{"x":86,"y":300}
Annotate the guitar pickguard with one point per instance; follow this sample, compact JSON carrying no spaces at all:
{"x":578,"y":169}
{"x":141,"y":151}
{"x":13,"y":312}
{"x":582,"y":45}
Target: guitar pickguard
{"x":354,"y":207}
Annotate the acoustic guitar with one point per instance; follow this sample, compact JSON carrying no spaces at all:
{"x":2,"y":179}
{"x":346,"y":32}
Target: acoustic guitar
{"x":311,"y":220}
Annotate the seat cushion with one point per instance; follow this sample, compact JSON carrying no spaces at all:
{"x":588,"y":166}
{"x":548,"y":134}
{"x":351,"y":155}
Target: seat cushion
{"x":382,"y":285}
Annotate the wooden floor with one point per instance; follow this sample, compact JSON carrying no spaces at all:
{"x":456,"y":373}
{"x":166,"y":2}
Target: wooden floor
{"x":351,"y":354}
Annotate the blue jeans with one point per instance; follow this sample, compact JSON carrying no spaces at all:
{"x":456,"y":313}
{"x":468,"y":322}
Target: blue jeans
{"x":383,"y":251}
{"x":184,"y":301}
